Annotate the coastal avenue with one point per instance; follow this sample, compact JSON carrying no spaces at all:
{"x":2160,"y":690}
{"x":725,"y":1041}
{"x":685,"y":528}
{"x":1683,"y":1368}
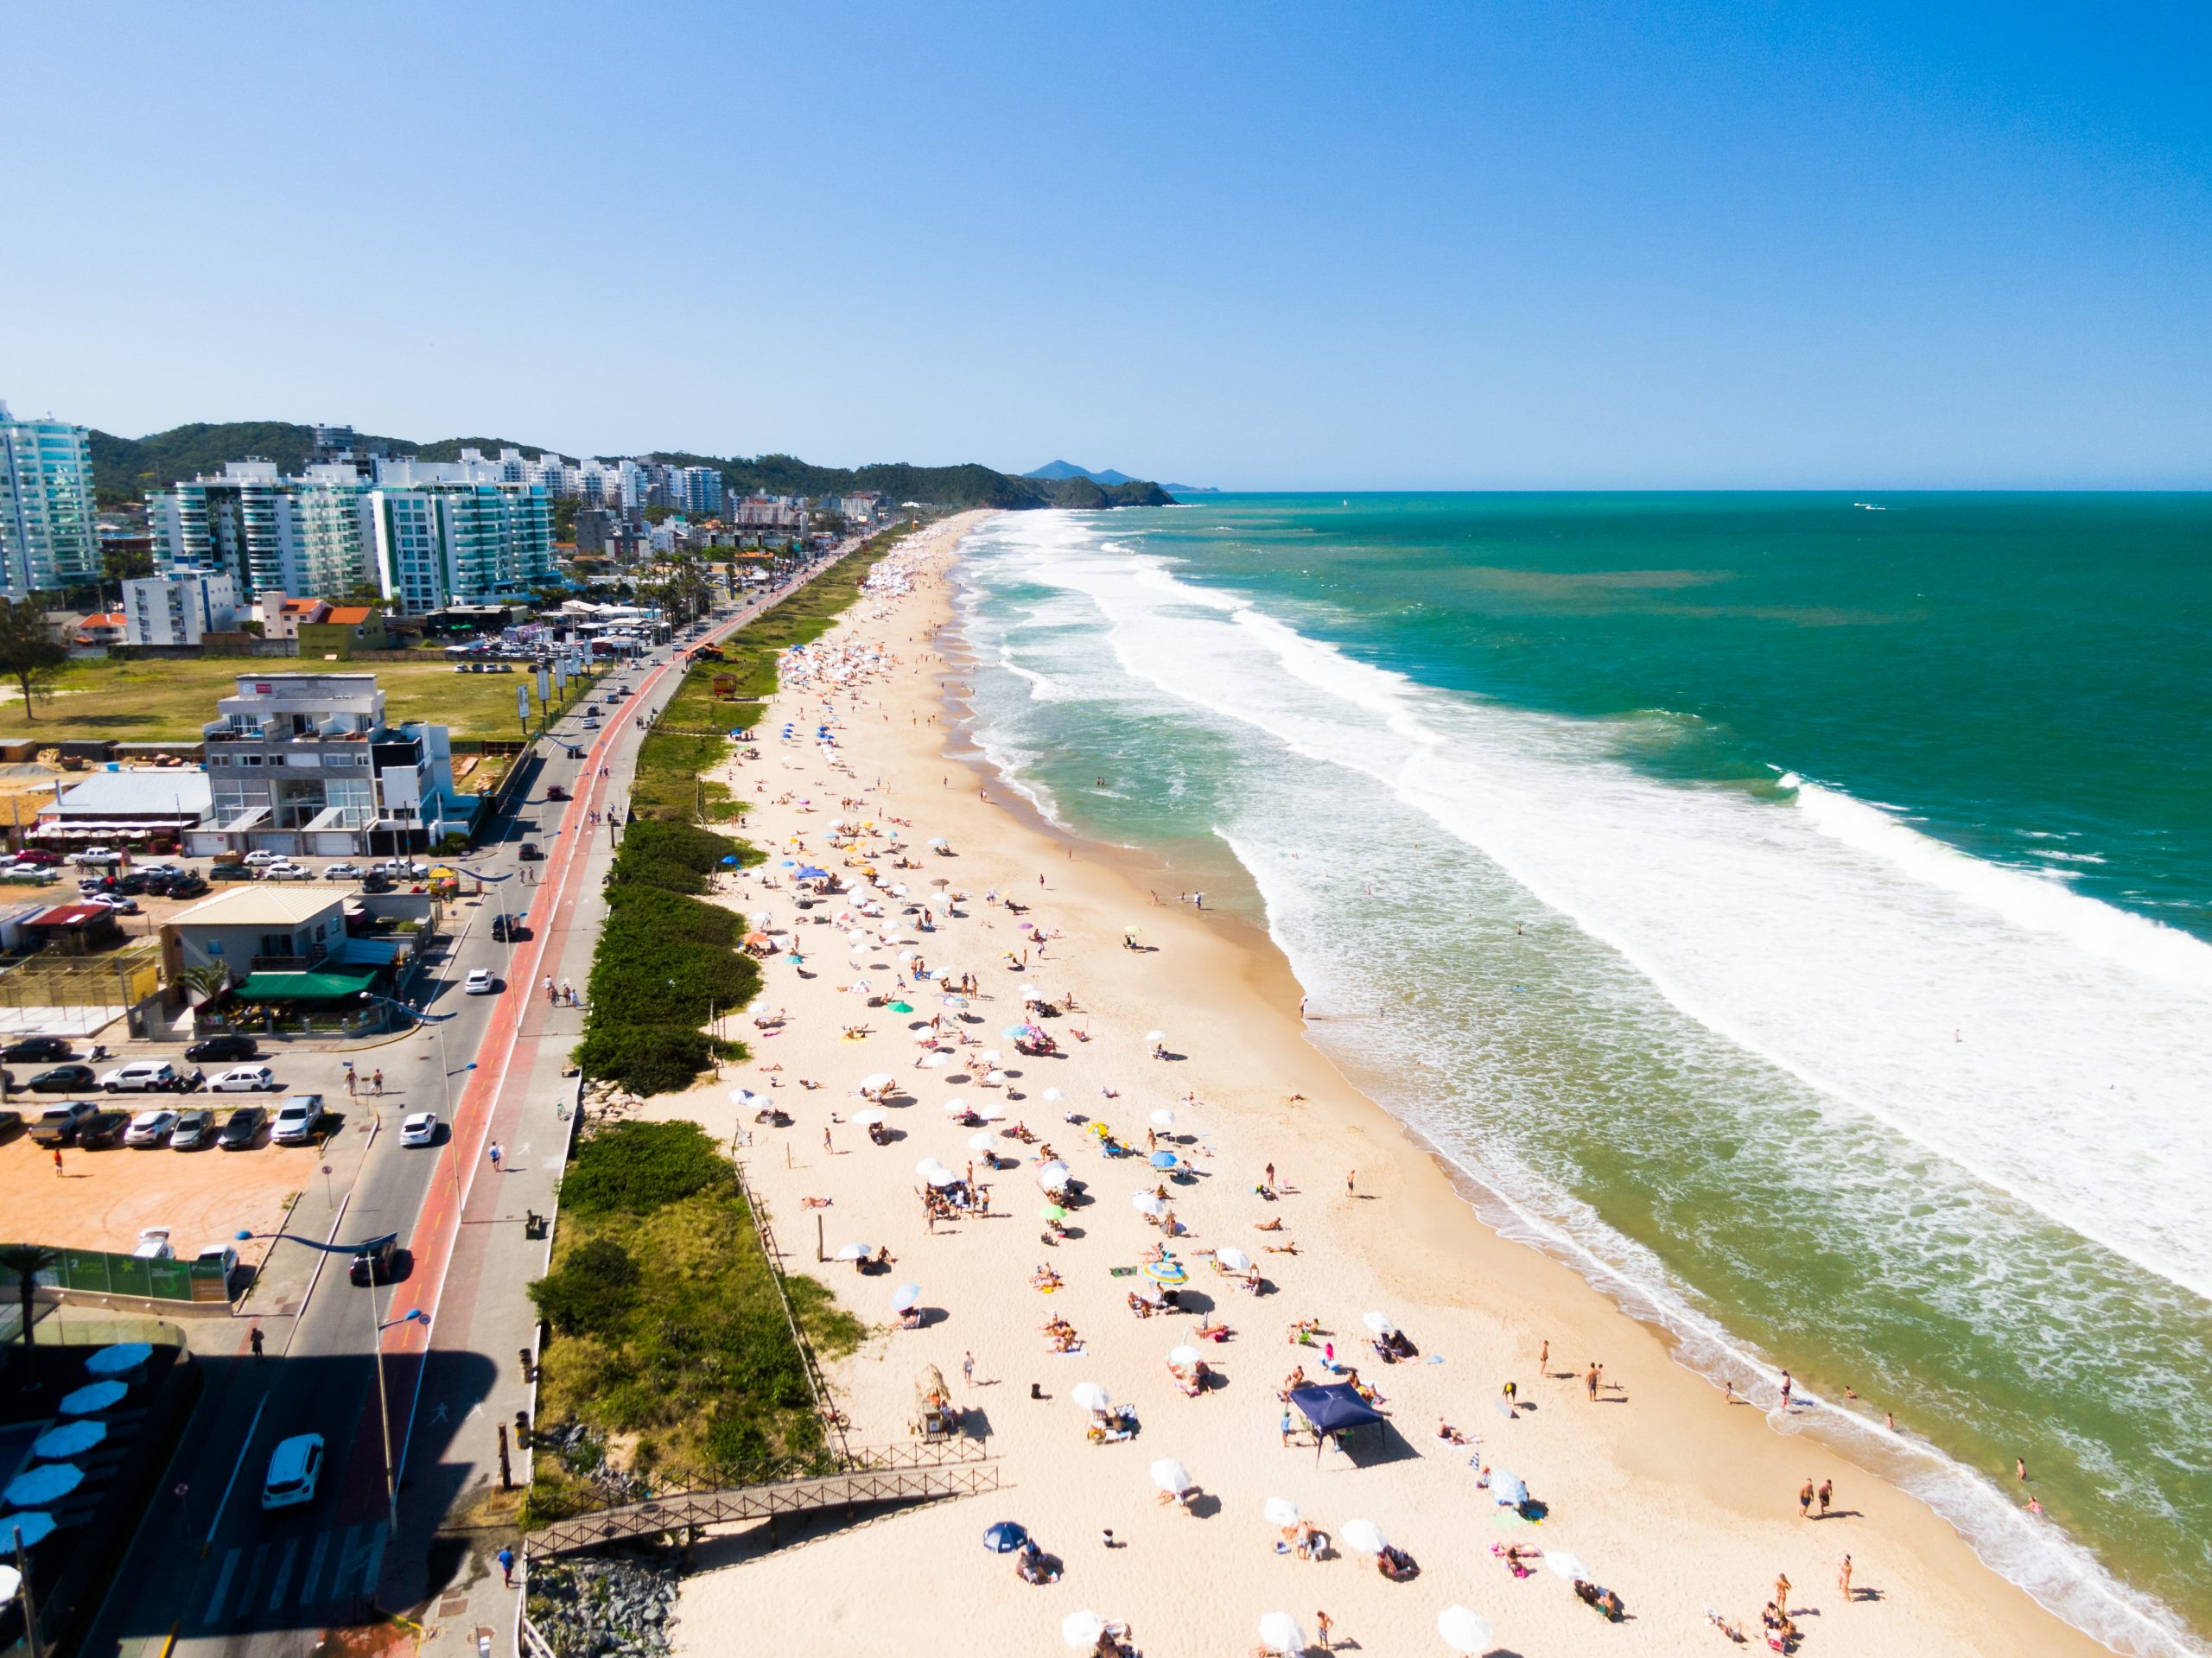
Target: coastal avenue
{"x":251,"y":1583}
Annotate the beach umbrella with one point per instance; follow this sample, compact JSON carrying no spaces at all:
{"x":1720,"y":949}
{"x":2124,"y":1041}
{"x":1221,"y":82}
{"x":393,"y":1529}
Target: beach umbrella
{"x":70,"y":1439}
{"x":1279,"y":1632}
{"x":11,"y":1582}
{"x":1163,"y":1159}
{"x":940,"y":881}
{"x":943,"y":1178}
{"x":1235,"y":1260}
{"x":984,"y":1142}
{"x":1280,"y":1511}
{"x":1362,"y":1537}
{"x":1163,"y":1118}
{"x":1155,"y":1036}
{"x":116,"y":1360}
{"x":853,"y":1252}
{"x":930,"y":1165}
{"x":905,"y":1297}
{"x":936,"y":1060}
{"x":990,"y":1111}
{"x":956,"y":1003}
{"x":1079,"y":1631}
{"x":1030,"y":995}
{"x":93,"y":1396}
{"x":1055,"y":1094}
{"x":856,"y":936}
{"x":867,"y":1119}
{"x":1014,"y":1032}
{"x":1088,"y":1395}
{"x":994,"y":1079}
{"x":1145,"y":1203}
{"x":1053,"y":1176}
{"x":989,"y":1057}
{"x":1463,"y":1630}
{"x":1566,"y":1565}
{"x":938,"y":839}
{"x":33,"y":1525}
{"x":1376,"y":1323}
{"x":956,"y":1108}
{"x":1051,"y":1212}
{"x":902,"y":1007}
{"x":43,"y":1484}
{"x":745,"y":1096}
{"x":1171,"y":1477}
{"x":1165,"y":1272}
{"x":1004,"y":1538}
{"x":876,"y":1080}
{"x":1511,"y":1489}
{"x":1185,"y":1356}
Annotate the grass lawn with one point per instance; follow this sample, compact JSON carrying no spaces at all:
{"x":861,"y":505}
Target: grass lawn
{"x":169,"y":701}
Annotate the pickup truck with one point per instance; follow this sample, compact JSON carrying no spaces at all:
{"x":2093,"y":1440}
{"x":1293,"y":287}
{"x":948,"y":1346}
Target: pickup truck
{"x":58,"y":1125}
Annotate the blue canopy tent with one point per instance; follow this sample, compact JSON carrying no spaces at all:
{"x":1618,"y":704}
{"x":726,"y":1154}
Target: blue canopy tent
{"x":1330,"y":1410}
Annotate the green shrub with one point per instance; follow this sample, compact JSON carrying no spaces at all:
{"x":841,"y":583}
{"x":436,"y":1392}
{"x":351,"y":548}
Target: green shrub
{"x":592,"y":1290}
{"x":634,"y":1168}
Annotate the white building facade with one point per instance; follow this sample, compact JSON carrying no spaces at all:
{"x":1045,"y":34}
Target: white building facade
{"x":181,"y":608}
{"x":458,"y":532}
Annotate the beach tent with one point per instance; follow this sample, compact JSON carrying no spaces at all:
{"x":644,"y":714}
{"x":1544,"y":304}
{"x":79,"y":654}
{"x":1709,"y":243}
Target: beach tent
{"x":1335,"y":1409}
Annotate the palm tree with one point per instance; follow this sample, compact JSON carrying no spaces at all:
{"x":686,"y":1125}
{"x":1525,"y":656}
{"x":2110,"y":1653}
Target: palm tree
{"x":203,"y":985}
{"x":27,"y":1261}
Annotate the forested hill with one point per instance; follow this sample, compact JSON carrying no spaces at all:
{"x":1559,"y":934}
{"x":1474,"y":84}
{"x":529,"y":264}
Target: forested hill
{"x":125,"y":467}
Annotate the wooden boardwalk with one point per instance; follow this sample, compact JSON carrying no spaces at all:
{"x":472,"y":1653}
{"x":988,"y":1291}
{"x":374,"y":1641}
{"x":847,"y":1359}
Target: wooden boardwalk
{"x":895,"y":1474}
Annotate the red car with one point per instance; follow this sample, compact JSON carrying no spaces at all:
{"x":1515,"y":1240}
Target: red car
{"x":554,"y":792}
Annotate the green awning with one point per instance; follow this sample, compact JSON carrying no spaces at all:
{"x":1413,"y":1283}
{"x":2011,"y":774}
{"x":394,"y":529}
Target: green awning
{"x":304,"y":987}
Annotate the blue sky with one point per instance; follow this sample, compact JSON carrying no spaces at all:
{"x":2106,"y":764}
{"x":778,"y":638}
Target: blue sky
{"x":1345,"y":246}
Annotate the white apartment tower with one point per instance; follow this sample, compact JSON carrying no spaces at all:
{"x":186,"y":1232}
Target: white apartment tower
{"x":49,"y":531}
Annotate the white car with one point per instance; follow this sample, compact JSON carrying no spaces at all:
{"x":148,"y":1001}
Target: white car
{"x":288,"y":872}
{"x":142,"y":1077}
{"x":261,"y":860}
{"x":111,"y":901}
{"x":294,"y":1466}
{"x":480,"y":982}
{"x":343,"y":871}
{"x":296,"y":1120}
{"x":149,"y":1128}
{"x":244,"y":1079}
{"x":421,"y":1129}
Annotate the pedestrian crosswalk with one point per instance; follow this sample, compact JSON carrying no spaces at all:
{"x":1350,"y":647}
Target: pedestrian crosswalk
{"x":265,"y":1581}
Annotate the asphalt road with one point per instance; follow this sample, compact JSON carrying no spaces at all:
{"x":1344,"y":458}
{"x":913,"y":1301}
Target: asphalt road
{"x":210,"y":1565}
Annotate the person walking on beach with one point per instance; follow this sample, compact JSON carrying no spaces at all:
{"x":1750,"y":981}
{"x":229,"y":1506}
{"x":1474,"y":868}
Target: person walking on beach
{"x":1324,"y":1628}
{"x":1544,"y":1357}
{"x":1590,"y":1382}
{"x":1843,"y":1579}
{"x":1352,"y":1188}
{"x":1788,"y":1384}
{"x":1805,"y":1499}
{"x":1827,"y":1491}
{"x":967,"y":1369}
{"x":1782,"y":1591}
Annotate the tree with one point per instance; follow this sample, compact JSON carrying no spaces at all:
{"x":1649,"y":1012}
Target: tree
{"x":126,"y":563}
{"x":29,"y":654}
{"x":203,"y":985}
{"x":27,"y":1261}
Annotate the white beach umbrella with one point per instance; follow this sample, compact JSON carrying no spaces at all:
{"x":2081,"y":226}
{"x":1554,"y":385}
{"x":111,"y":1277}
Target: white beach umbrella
{"x":956,"y":1003}
{"x":1280,"y":1511}
{"x":1088,"y":1395}
{"x":994,"y":1079}
{"x":1163,"y":1118}
{"x":1079,"y":1631}
{"x":1155,"y":1036}
{"x":928,"y":1167}
{"x":938,"y":1059}
{"x":854,"y":1252}
{"x":1362,"y":1537}
{"x":1376,"y":1323}
{"x":1146,"y":1202}
{"x":1029,"y":994}
{"x":956,"y":1108}
{"x":985,"y":1141}
{"x":1185,"y":1355}
{"x":867,"y":1119}
{"x":1279,"y":1632}
{"x":11,"y":1582}
{"x":991,"y":1111}
{"x":906,"y":1296}
{"x":856,"y":936}
{"x":1053,"y":1176}
{"x":1235,"y":1260}
{"x":989,"y":1057}
{"x":1055,"y":1094}
{"x":875,"y":1080}
{"x":925,"y":1037}
{"x":1566,"y":1565}
{"x":1171,"y":1477}
{"x":943,"y":1178}
{"x":1463,"y":1630}
{"x":746,"y":1096}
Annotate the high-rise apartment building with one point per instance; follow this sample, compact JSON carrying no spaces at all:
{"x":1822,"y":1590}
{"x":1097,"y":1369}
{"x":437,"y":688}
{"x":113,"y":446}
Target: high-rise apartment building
{"x":49,"y":536}
{"x":458,"y":533}
{"x":307,"y":534}
{"x":699,"y":491}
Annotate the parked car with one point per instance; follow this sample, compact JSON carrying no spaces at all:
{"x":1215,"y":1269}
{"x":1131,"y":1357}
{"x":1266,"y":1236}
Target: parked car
{"x":226,"y":1046}
{"x":144,"y":1076}
{"x":150,"y":1128}
{"x":109,"y":901}
{"x":194,"y":1130}
{"x":479,"y":983}
{"x":231,"y":871}
{"x":220,"y":1254}
{"x":97,"y":857}
{"x":64,"y":1079}
{"x":244,"y":1079}
{"x":39,"y":855}
{"x":184,"y":884}
{"x":296,"y":1120}
{"x":288,"y":872}
{"x":378,"y":1261}
{"x":59,"y":1125}
{"x":103,"y":1130}
{"x":293,"y":1467}
{"x":241,"y":1129}
{"x":421,"y":1129}
{"x":48,"y":1048}
{"x":154,"y":1244}
{"x":376,"y":882}
{"x":262,"y":860}
{"x":10,"y":1122}
{"x":343,"y":871}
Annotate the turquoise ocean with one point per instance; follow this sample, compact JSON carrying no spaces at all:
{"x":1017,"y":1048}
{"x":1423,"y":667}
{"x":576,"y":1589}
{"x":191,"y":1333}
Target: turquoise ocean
{"x":1793,"y":913}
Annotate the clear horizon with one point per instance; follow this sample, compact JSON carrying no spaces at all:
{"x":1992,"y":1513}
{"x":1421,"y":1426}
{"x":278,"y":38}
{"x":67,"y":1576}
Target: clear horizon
{"x":1412,"y":249}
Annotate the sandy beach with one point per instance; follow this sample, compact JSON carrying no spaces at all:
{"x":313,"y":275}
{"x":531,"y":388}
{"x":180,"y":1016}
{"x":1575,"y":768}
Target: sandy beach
{"x":1676,"y":1500}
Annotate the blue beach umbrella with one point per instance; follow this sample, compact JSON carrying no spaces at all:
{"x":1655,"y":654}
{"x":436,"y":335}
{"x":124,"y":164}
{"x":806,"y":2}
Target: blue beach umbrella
{"x":1014,"y":1033}
{"x":1163,"y":1159}
{"x":1510,"y":1490}
{"x":1004,"y":1538}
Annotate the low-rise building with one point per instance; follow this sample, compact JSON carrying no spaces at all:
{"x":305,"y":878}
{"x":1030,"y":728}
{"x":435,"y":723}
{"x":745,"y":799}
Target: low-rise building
{"x":306,"y":765}
{"x":344,"y":630}
{"x":106,"y":627}
{"x":180,"y":608}
{"x":139,"y":808}
{"x":281,"y":618}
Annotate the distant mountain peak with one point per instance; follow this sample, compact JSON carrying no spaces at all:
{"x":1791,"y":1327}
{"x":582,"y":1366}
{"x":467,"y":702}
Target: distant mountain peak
{"x":1058,"y":470}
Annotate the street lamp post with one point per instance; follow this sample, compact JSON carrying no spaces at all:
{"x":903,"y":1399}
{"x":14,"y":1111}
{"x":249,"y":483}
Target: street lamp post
{"x":414,"y":1315}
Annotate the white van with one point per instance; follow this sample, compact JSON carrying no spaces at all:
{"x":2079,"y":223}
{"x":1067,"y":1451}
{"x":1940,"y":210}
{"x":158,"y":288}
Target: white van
{"x":293,"y":1467}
